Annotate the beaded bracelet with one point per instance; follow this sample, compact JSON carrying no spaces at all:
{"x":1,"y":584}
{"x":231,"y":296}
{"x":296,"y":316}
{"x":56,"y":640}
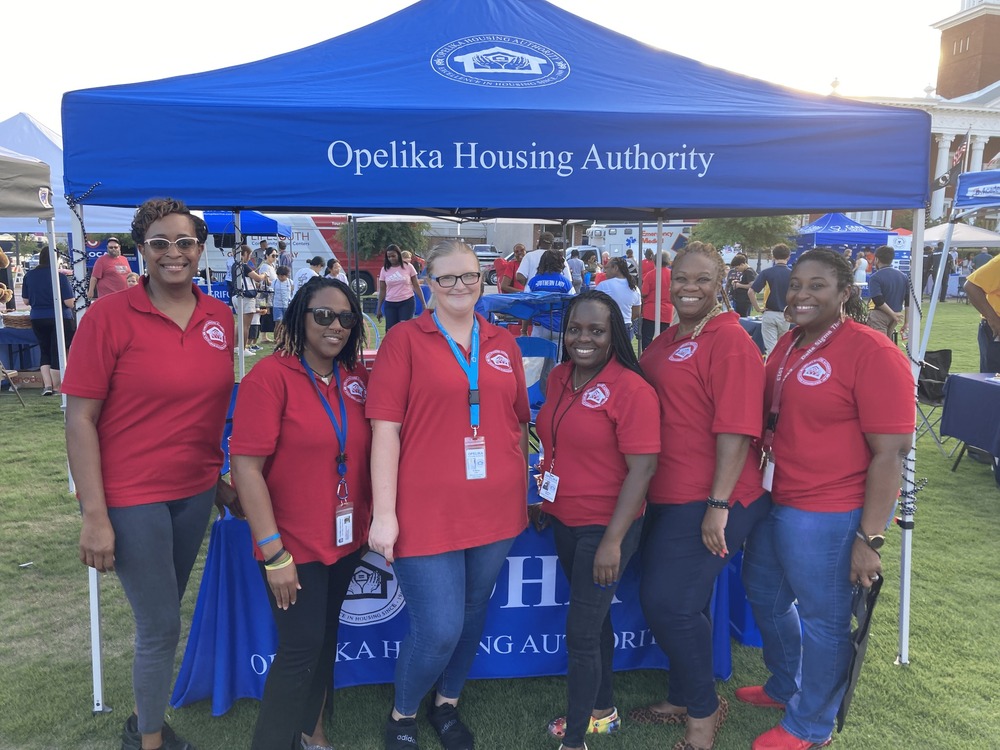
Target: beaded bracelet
{"x":282,"y":564}
{"x":275,"y":557}
{"x":271,"y":538}
{"x":715,"y":503}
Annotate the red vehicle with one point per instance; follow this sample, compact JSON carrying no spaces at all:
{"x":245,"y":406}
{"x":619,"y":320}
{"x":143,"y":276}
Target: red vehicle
{"x":363,"y":272}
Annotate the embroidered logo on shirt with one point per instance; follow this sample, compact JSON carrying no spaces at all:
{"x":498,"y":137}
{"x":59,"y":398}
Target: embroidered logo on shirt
{"x":498,"y":359}
{"x":354,"y":389}
{"x":214,"y":334}
{"x":596,"y":396}
{"x":816,"y":372}
{"x":685,"y":351}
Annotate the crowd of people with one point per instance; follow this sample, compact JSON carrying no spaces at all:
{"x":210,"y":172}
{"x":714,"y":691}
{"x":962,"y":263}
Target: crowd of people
{"x":702,"y":446}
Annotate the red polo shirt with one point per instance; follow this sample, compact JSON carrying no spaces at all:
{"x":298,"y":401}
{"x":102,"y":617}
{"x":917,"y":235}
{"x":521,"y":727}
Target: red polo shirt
{"x":165,"y":394}
{"x":592,"y":430}
{"x":279,"y":415}
{"x":649,"y":297}
{"x":858,"y":383}
{"x":417,"y":382}
{"x":710,"y":385}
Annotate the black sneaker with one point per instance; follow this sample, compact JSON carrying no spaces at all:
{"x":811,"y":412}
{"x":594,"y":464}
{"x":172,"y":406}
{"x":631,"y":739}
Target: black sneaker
{"x":401,"y":734}
{"x":454,"y":735}
{"x":132,"y":740}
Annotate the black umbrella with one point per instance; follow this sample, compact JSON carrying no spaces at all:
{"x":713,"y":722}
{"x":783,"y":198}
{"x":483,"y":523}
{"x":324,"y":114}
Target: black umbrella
{"x":863,"y":606}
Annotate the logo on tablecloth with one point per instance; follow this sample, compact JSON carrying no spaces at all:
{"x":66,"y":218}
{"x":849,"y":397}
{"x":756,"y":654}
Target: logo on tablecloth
{"x":684,"y":352}
{"x":596,"y":396}
{"x":499,"y":61}
{"x":373,"y":595}
{"x":354,"y":389}
{"x":498,"y":359}
{"x":815,"y":372}
{"x":214,"y":334}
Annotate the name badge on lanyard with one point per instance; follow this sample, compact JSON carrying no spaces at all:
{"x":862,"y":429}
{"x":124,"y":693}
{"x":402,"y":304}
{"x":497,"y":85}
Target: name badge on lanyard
{"x":344,"y":517}
{"x":474,"y":447}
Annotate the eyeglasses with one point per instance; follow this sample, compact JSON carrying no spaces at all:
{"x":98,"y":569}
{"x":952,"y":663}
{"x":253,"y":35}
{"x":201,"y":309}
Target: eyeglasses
{"x":324,"y":316}
{"x":160,"y":245}
{"x":448,"y":281}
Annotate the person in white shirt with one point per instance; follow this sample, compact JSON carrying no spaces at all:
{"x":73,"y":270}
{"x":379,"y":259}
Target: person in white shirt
{"x":620,"y":285}
{"x":529,"y":264}
{"x":315,"y":268}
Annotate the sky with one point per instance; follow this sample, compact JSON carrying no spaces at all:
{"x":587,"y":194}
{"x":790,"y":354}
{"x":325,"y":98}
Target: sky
{"x":873,"y":47}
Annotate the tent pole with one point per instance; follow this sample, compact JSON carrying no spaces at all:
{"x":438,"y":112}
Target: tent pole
{"x":935,"y":292}
{"x":908,"y":508}
{"x":93,"y":582}
{"x":240,"y":333}
{"x":659,"y":275}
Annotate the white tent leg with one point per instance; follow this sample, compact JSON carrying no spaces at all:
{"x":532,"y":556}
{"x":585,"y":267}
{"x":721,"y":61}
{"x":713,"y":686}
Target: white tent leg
{"x":909,"y":467}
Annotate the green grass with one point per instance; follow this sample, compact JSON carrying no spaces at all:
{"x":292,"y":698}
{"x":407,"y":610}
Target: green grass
{"x":945,"y":698}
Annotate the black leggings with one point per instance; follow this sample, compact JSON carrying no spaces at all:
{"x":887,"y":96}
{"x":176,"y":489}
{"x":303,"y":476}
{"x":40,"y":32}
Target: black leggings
{"x":302,"y":669}
{"x":48,"y":344}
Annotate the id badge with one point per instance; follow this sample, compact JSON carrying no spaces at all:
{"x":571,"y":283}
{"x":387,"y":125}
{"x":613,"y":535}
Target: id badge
{"x":550,"y":483}
{"x":768,"y":473}
{"x":345,"y":524}
{"x":475,"y":457}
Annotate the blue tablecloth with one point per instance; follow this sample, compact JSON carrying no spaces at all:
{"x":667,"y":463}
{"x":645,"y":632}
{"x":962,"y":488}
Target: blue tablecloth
{"x":19,"y":349}
{"x":972,"y":410}
{"x":233,"y":641}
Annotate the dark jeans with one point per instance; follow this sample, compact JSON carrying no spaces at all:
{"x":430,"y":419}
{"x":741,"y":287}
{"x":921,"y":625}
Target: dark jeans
{"x":302,"y":670}
{"x":678,"y":573}
{"x":155,"y":548}
{"x":48,"y":343}
{"x":397,"y":312}
{"x":590,"y":639}
{"x":742,"y":306}
{"x":649,"y":331}
{"x":989,"y":350}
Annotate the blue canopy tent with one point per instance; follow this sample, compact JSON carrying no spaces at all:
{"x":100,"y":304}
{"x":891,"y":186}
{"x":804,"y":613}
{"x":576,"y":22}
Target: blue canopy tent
{"x":835,"y":229}
{"x":498,"y":108}
{"x":251,"y":222}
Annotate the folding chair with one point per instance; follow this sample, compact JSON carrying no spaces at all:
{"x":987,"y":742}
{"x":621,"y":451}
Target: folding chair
{"x":930,"y":397}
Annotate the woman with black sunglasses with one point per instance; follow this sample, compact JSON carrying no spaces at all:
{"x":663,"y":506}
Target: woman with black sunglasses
{"x":300,"y":451}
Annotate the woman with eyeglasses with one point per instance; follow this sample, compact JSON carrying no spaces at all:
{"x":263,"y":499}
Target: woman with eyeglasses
{"x":143,"y":438}
{"x":397,"y":287}
{"x":447,"y":392}
{"x":300,"y":450}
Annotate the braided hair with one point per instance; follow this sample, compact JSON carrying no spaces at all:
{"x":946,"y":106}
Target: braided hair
{"x":854,"y":307}
{"x":621,"y":341}
{"x":708,"y":251}
{"x":290,"y":334}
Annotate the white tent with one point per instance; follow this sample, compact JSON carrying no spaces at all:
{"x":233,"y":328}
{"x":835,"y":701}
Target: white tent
{"x":963,"y":235}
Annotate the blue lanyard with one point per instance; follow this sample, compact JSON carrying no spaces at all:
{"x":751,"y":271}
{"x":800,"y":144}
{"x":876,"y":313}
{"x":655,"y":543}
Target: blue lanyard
{"x":339,"y":429}
{"x":470,"y":368}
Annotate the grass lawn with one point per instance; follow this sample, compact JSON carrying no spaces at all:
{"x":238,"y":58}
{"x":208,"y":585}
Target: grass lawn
{"x":945,"y":698}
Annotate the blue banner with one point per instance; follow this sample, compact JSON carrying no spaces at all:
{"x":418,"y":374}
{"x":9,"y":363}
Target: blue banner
{"x":233,"y":639}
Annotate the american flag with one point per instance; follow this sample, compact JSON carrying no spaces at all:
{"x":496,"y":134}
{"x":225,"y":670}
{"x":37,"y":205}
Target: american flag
{"x":957,"y":163}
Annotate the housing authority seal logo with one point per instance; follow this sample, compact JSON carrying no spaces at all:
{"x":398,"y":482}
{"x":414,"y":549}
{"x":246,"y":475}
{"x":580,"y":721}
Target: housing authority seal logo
{"x":373,"y":594}
{"x":500,"y":61}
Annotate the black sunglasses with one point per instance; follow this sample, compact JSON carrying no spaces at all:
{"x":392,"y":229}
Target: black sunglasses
{"x":324,"y":316}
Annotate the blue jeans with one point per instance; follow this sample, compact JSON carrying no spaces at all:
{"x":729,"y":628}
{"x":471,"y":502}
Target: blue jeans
{"x":590,"y":639}
{"x":397,"y":312}
{"x":155,"y":548}
{"x":989,"y":350}
{"x":678,"y":577}
{"x":446,"y":596}
{"x":804,"y":557}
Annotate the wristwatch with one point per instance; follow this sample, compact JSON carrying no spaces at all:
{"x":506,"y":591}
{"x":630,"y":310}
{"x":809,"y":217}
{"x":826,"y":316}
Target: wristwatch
{"x":875,"y":541}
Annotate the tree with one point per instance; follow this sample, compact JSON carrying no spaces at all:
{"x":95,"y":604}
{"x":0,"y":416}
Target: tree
{"x":752,"y":232}
{"x":373,"y":238}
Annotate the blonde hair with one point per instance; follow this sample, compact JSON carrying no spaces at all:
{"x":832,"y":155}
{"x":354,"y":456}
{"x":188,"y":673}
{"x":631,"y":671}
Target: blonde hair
{"x":440,"y":250}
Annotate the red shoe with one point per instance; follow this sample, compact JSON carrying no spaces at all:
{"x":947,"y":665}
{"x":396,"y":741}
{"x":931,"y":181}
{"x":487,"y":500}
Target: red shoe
{"x":755,"y":696}
{"x":779,"y":738}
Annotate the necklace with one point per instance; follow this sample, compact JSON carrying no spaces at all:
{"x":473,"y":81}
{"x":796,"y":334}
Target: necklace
{"x":325,"y":378}
{"x":584,"y":383}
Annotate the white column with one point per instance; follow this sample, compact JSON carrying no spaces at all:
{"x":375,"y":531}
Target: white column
{"x":976,"y":155}
{"x":940,"y":167}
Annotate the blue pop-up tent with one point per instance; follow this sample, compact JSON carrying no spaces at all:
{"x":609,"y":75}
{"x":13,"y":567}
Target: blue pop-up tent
{"x":493,"y":108}
{"x":835,"y":229}
{"x":251,"y":222}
